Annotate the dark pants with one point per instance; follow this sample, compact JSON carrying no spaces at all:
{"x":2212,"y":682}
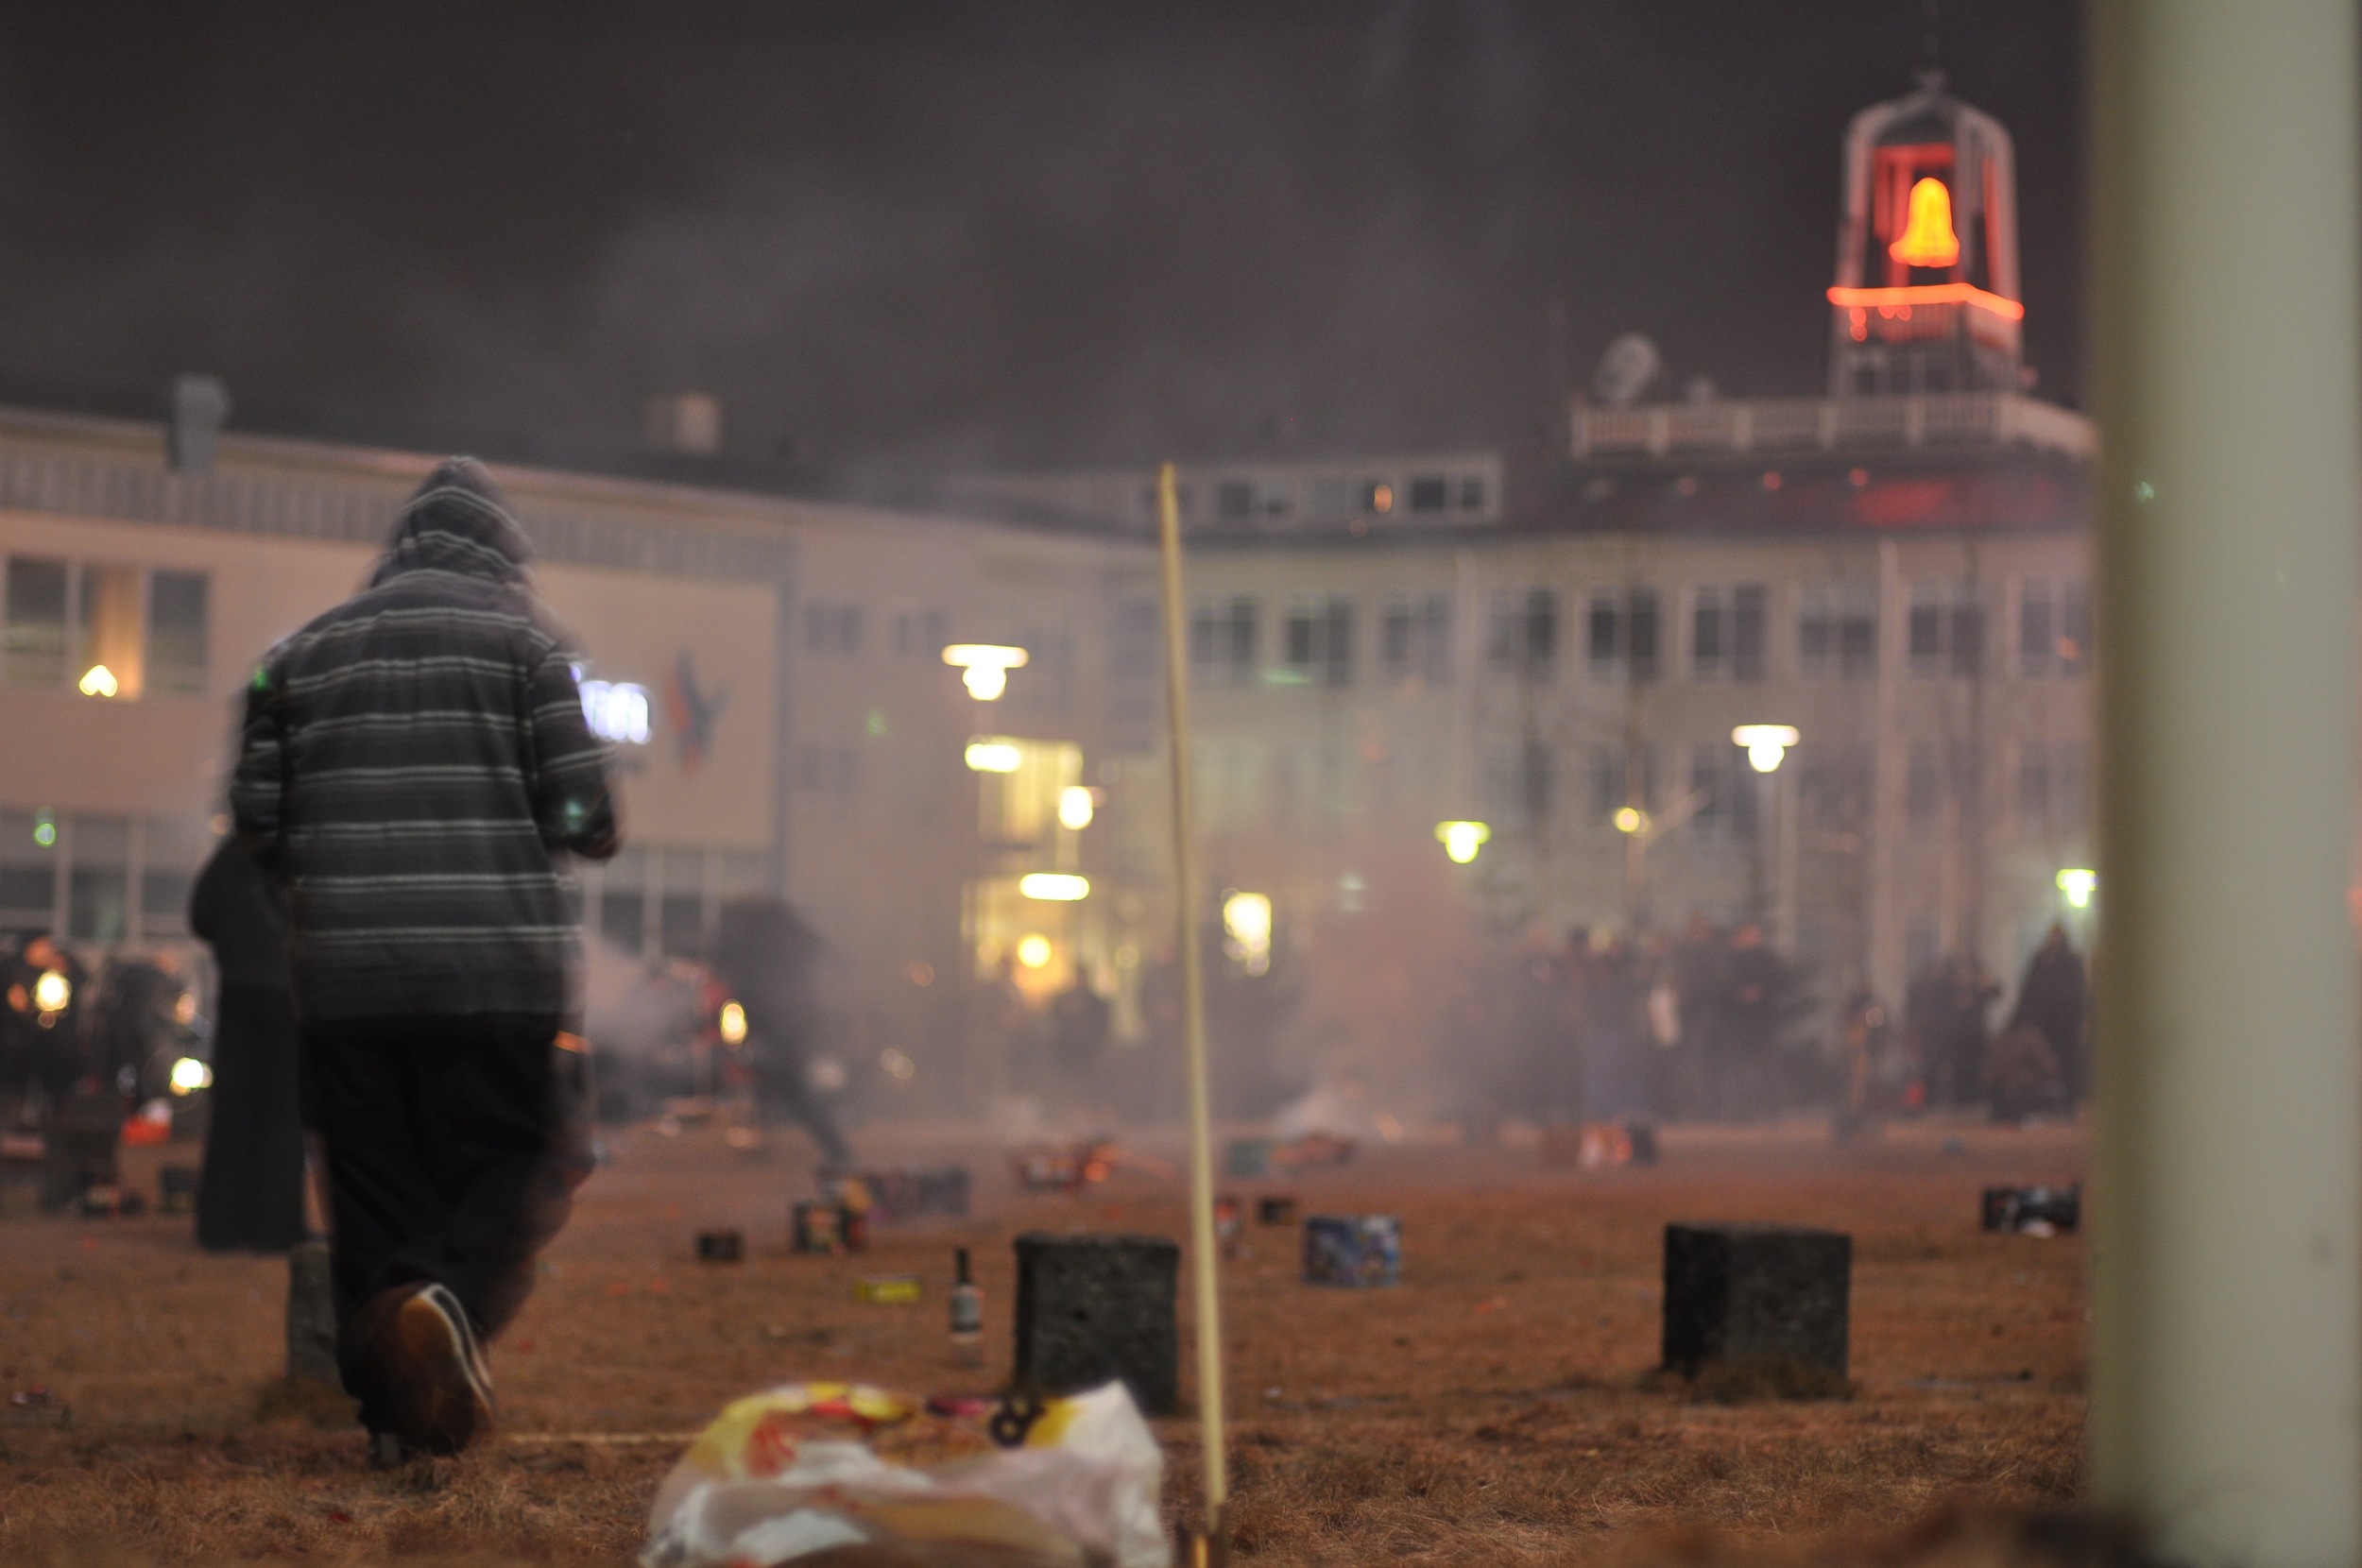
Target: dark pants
{"x":443,"y":1142}
{"x":251,"y":1194}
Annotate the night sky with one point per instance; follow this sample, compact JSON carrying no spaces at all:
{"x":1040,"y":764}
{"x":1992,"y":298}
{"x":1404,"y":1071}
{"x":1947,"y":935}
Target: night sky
{"x":903,"y":237}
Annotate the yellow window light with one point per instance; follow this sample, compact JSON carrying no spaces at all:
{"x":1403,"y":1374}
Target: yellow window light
{"x":1765,"y":744}
{"x":190,"y":1075}
{"x":994,"y":756}
{"x":2078,"y":884}
{"x":1630,"y":819}
{"x":99,"y":681}
{"x":1075,"y":807}
{"x":1054,"y":887}
{"x":732,"y":1024}
{"x":1246,"y":921}
{"x":1462,"y":840}
{"x":1032,"y":950}
{"x":985,"y":667}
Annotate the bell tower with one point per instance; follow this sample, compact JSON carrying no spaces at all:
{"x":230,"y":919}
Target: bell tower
{"x":1927,"y":292}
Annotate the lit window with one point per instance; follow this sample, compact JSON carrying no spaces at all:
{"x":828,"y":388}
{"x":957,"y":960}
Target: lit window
{"x":108,"y":660}
{"x":34,"y":652}
{"x":178,"y":627}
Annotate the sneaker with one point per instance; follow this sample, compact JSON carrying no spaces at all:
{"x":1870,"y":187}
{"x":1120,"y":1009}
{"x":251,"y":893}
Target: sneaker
{"x":439,"y":1393}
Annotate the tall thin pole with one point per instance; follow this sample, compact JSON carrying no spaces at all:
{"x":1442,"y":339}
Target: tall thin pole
{"x":2226,"y":1353}
{"x":1193,"y":1023}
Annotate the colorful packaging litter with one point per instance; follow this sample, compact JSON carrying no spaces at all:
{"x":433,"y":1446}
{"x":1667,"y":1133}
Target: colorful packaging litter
{"x":814,"y":1468}
{"x":1360,"y":1250}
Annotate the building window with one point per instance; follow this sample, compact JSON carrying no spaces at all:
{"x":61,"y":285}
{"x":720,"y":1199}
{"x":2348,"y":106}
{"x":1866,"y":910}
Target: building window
{"x":1430,"y":492}
{"x":1133,"y":644}
{"x":1472,"y":492}
{"x":1948,"y":629}
{"x":171,"y":851}
{"x":922,"y":636}
{"x":179,"y":633}
{"x":1833,"y":791}
{"x":1522,"y":634}
{"x":1320,"y":641}
{"x":1623,"y":634}
{"x":1923,"y":786}
{"x":98,"y":880}
{"x":28,"y":869}
{"x":1837,"y":631}
{"x":1729,"y":792}
{"x":1414,"y":637}
{"x":623,"y":901}
{"x":1615,"y":784}
{"x":1222,"y":641}
{"x":1234,"y":500}
{"x":35,"y":649}
{"x":1726,"y":633}
{"x":108,"y":658}
{"x":682,"y":915}
{"x":1518,"y":782}
{"x":2054,"y":627}
{"x":832,"y":631}
{"x":2051,"y":785}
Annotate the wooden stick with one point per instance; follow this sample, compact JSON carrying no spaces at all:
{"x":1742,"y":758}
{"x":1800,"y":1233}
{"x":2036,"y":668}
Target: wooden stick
{"x":1188,"y":889}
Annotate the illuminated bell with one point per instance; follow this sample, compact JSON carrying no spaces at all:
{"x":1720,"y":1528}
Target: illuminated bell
{"x":1928,"y":238}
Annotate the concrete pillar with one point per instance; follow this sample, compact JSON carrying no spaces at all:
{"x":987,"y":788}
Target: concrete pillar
{"x":2227,"y":1411}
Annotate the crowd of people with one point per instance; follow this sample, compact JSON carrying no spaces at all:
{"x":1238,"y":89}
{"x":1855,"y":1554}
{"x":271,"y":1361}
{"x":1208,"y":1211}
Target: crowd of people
{"x":1715,"y":1024}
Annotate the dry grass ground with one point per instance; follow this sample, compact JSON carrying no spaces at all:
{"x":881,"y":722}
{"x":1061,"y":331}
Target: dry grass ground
{"x":1494,"y":1408}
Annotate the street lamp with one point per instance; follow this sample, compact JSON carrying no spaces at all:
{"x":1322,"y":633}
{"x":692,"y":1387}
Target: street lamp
{"x":985,"y":667}
{"x":2078,"y":884}
{"x":1462,"y":840}
{"x":1765,"y":744}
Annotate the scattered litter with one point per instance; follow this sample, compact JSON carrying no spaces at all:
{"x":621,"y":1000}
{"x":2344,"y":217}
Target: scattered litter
{"x":176,"y":1189}
{"x":825,"y":1229}
{"x":1599,"y":1145}
{"x":1276,"y":1211}
{"x":1358,"y":1251}
{"x":888,"y":1289}
{"x":810,"y":1469}
{"x":1228,"y":1213}
{"x":1313,"y":1151}
{"x":1062,"y":1167}
{"x":912,"y":1194}
{"x":721,"y":1247}
{"x":2033,"y":1211}
{"x":1247,"y":1156}
{"x":109,"y":1201}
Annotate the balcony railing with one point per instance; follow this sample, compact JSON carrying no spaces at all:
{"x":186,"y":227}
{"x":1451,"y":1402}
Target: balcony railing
{"x":1950,"y":420}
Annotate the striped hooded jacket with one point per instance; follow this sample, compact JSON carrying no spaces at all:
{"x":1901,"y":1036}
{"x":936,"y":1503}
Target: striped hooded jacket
{"x":416,"y":766}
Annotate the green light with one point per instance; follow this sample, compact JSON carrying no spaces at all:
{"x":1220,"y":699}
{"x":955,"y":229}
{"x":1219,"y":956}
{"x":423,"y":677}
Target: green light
{"x":876,"y":721}
{"x":45,"y":833}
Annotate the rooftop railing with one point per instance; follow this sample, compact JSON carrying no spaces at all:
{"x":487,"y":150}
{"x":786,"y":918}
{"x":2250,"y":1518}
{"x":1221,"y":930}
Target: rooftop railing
{"x":1718,"y":427}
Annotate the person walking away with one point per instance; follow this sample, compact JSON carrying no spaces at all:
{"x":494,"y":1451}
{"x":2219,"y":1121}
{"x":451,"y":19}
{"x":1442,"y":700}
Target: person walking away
{"x":2054,"y":998}
{"x":249,"y":1191}
{"x":416,"y":768}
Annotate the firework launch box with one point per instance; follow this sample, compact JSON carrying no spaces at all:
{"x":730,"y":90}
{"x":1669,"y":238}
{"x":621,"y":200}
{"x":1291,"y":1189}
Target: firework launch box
{"x":2041,"y":1210}
{"x":1355,"y":1250}
{"x":1094,"y":1307}
{"x":1770,"y":1294}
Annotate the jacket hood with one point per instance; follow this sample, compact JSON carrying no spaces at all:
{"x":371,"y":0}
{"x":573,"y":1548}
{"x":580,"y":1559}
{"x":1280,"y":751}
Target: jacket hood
{"x":457,"y":521}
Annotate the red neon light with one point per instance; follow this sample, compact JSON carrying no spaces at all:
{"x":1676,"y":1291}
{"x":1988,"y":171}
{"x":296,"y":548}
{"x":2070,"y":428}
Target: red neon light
{"x":1927,"y":294}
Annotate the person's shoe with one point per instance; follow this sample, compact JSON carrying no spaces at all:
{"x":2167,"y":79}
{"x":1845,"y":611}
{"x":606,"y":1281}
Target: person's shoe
{"x":439,"y":1393}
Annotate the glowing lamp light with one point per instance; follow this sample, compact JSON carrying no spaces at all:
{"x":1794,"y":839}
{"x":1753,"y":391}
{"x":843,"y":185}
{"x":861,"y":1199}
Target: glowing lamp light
{"x":1462,"y":840}
{"x":990,"y":755}
{"x":1075,"y":807}
{"x":99,"y":681}
{"x":985,"y":667}
{"x":1630,"y":819}
{"x":190,"y":1075}
{"x":1246,"y":920}
{"x":1054,"y":887}
{"x":616,"y":710}
{"x":52,"y":992}
{"x":1765,"y":744}
{"x":1032,"y":950}
{"x":1928,"y":238}
{"x":732,"y":1024}
{"x":2078,"y":884}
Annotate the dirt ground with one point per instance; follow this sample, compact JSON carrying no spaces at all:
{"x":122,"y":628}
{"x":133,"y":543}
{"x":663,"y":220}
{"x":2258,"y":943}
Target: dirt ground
{"x":1496,"y":1406}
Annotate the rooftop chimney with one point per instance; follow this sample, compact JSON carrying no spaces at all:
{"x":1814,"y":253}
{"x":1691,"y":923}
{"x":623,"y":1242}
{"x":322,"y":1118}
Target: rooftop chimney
{"x":200,"y":405}
{"x":687,"y":423}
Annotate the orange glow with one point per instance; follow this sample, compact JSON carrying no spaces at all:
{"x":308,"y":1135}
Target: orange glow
{"x":1928,"y":238}
{"x":1894,"y":299}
